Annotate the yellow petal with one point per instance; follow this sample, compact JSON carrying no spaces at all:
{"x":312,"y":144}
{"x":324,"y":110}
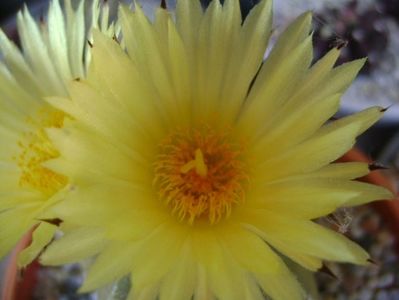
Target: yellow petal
{"x":222,"y":273}
{"x":281,"y":287}
{"x":180,"y":282}
{"x":306,"y":237}
{"x":312,"y":154}
{"x":42,"y":235}
{"x":149,"y":272}
{"x":113,"y":262}
{"x":74,"y":246}
{"x":295,"y":124}
{"x":147,"y":293}
{"x":366,"y":118}
{"x":246,"y":57}
{"x":10,"y":235}
{"x":348,"y":170}
{"x":312,"y":198}
{"x":250,"y":251}
{"x":36,"y":54}
{"x":275,"y":87}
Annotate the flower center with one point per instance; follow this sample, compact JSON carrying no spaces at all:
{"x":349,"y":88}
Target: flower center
{"x":35,"y":149}
{"x":200,"y":174}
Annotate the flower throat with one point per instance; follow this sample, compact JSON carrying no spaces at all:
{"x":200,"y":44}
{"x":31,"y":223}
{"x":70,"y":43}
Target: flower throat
{"x":200,"y":175}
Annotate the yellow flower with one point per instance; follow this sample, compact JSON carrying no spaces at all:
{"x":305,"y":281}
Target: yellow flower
{"x":196,"y":180}
{"x":53,"y":53}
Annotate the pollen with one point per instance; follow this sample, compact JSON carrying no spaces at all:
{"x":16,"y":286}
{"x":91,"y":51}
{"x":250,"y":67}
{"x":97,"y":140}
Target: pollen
{"x":200,"y":174}
{"x":35,"y":149}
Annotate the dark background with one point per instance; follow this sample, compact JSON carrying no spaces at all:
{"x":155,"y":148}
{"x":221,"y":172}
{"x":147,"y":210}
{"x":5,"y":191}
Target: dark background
{"x":10,"y":7}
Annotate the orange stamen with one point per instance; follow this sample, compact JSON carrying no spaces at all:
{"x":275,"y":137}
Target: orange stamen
{"x":200,"y":174}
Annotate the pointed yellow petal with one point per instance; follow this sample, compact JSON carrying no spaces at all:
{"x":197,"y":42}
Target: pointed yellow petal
{"x":11,"y":231}
{"x":281,"y":287}
{"x":295,"y":124}
{"x":348,"y":170}
{"x":75,"y":30}
{"x":42,"y":235}
{"x":147,"y":293}
{"x":250,"y":251}
{"x":246,"y":57}
{"x":57,"y":41}
{"x":113,"y":262}
{"x":367,"y":193}
{"x":36,"y":54}
{"x":222,"y":273}
{"x":179,"y":284}
{"x":74,"y":246}
{"x":148,"y":272}
{"x":365,"y":119}
{"x":316,"y":152}
{"x":274,"y":88}
{"x":294,"y":35}
{"x":188,"y":19}
{"x":306,"y":237}
{"x":312,"y":198}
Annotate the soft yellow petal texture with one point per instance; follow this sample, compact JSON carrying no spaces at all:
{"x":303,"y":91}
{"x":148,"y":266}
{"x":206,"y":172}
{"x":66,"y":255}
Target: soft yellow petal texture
{"x":365,"y":119}
{"x":9,"y":235}
{"x":279,"y":74}
{"x":188,"y":20}
{"x":75,"y":30}
{"x":299,"y":235}
{"x":202,"y":290}
{"x":57,"y":40}
{"x":348,"y":170}
{"x":283,"y":132}
{"x":219,"y":30}
{"x":144,"y":47}
{"x":308,"y":156}
{"x":179,"y":283}
{"x":307,"y":261}
{"x":302,"y":123}
{"x":148,"y":293}
{"x":74,"y":245}
{"x":113,"y":262}
{"x":42,"y":235}
{"x":252,"y":43}
{"x":172,"y":82}
{"x":244,"y":246}
{"x":284,"y":286}
{"x":322,"y":81}
{"x":325,"y":146}
{"x":314,"y":197}
{"x":123,"y":85}
{"x":37,"y":56}
{"x":367,"y":193}
{"x":16,"y":64}
{"x":133,"y":256}
{"x":149,"y":272}
{"x":53,"y":51}
{"x":135,"y":216}
{"x":225,"y":278}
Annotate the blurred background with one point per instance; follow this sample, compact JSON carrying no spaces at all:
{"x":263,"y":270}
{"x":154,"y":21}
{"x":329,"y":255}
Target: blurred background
{"x":362,"y":28}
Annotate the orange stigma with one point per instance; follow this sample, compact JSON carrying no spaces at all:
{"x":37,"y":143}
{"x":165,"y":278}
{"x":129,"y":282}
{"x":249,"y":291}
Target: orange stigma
{"x":200,"y":174}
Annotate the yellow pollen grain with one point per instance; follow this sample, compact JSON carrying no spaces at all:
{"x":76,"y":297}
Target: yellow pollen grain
{"x":35,"y":149}
{"x":200,"y":174}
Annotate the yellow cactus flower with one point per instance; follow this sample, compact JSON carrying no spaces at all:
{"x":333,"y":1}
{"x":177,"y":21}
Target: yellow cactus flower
{"x":193,"y":177}
{"x":53,"y":53}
